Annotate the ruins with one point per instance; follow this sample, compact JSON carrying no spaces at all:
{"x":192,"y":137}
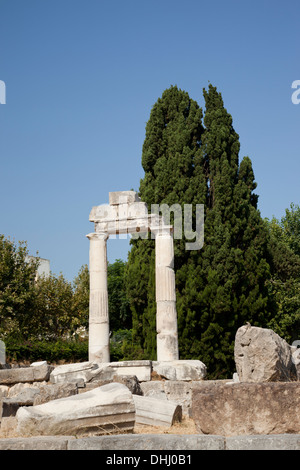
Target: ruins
{"x":127,"y":214}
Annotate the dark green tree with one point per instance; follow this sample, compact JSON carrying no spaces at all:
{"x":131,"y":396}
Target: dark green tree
{"x":223,"y":285}
{"x":170,"y":159}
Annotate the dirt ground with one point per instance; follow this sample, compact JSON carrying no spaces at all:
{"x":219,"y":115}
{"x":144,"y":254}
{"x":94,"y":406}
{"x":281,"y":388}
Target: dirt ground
{"x":186,"y":426}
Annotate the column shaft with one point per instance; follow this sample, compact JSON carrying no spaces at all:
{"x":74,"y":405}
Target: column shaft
{"x":166,"y":314}
{"x":98,"y":308}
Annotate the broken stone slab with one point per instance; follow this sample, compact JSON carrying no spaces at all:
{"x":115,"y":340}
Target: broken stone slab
{"x":25,"y":374}
{"x":74,"y":372}
{"x":266,"y":442}
{"x":92,"y":371}
{"x":155,"y":412}
{"x":140,"y":369}
{"x":172,"y":390}
{"x":35,"y":395}
{"x":51,"y":392}
{"x":185,"y":370}
{"x":36,"y":443}
{"x":246,"y":408}
{"x":4,"y":391}
{"x":105,"y":409}
{"x":24,"y":398}
{"x":296,"y":362}
{"x":20,"y":387}
{"x":130,"y":381}
{"x":38,"y":363}
{"x":261,"y":355}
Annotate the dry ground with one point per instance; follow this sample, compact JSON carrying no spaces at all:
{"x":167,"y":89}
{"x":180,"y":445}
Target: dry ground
{"x":186,"y":426}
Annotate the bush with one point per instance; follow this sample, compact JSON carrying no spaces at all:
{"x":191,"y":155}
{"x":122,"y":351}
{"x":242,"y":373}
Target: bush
{"x":60,"y":350}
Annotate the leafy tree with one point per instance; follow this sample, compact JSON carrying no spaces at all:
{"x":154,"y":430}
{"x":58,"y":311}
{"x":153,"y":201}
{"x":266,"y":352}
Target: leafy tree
{"x":17,"y":292}
{"x":118,"y":307}
{"x":54,"y":314}
{"x":285,"y":281}
{"x":81,"y":288}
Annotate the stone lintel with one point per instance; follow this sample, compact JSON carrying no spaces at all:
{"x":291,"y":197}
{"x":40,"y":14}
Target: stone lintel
{"x":123,"y":197}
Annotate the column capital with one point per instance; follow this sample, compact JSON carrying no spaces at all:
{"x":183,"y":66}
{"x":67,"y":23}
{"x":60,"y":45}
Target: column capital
{"x":97,"y":236}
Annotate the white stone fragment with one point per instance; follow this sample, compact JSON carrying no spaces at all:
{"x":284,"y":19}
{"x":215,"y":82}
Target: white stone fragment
{"x":155,"y":412}
{"x":105,"y":409}
{"x":184,"y":370}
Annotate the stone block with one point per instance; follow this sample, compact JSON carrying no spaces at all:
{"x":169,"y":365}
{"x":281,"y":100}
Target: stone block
{"x":36,"y":443}
{"x":258,"y":442}
{"x":51,"y":392}
{"x":163,"y":442}
{"x":296,"y":362}
{"x":105,"y":409}
{"x":24,"y":398}
{"x":180,"y":370}
{"x":25,"y":374}
{"x":123,"y":197}
{"x":155,"y":412}
{"x":103,"y":212}
{"x":38,"y":363}
{"x":246,"y":408}
{"x":4,"y":391}
{"x":74,"y":372}
{"x":177,"y":391}
{"x":141,"y":369}
{"x":261,"y":355}
{"x":130,"y":381}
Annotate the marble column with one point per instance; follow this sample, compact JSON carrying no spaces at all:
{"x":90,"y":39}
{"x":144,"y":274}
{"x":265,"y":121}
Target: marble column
{"x":166,"y":314}
{"x":98,"y":309}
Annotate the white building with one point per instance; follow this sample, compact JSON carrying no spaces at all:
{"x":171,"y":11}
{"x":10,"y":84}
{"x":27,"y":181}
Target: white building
{"x":44,"y":266}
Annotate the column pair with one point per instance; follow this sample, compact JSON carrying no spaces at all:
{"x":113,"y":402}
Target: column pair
{"x":166,"y":314}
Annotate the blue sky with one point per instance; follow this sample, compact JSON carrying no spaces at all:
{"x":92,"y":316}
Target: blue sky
{"x":81,"y":78}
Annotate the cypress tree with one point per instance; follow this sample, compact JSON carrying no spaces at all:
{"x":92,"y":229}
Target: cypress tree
{"x":223,"y":285}
{"x":170,"y":154}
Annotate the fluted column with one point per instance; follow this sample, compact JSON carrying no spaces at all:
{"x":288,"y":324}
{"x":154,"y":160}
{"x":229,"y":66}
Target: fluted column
{"x":98,"y":309}
{"x":166,"y":314}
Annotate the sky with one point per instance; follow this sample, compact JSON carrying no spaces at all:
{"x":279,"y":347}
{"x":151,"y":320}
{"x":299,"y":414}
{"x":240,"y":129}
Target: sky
{"x":81,"y":77}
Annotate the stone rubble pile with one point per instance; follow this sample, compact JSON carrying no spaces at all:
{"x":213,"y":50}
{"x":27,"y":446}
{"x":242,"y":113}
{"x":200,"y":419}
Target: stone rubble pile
{"x":91,"y":398}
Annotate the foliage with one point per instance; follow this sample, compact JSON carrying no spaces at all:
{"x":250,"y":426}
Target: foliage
{"x":191,"y":159}
{"x":43,"y":316}
{"x":285,"y":281}
{"x":52,"y":351}
{"x":118,"y":305}
{"x":53,"y":310}
{"x":81,"y":288}
{"x":17,"y":288}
